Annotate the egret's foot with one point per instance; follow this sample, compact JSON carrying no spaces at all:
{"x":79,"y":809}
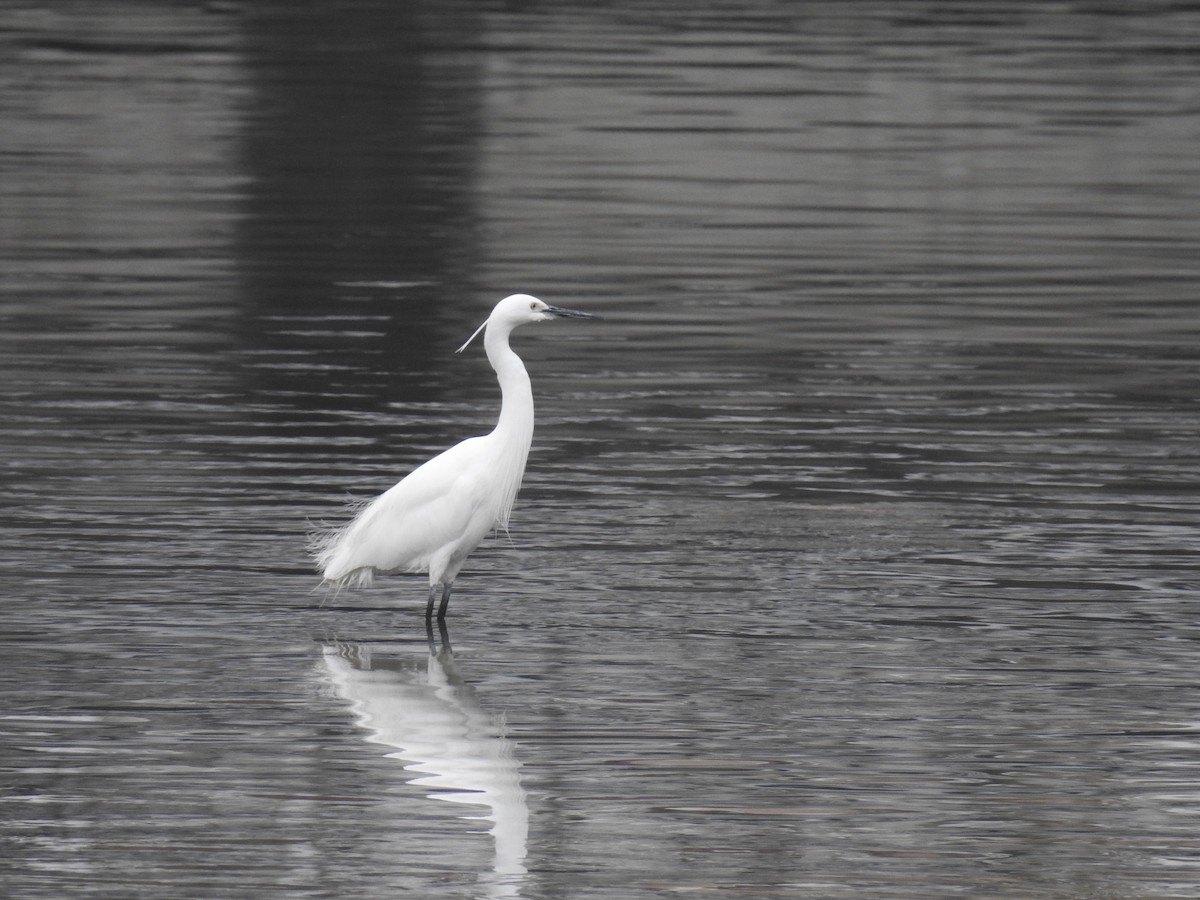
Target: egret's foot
{"x":435,"y":648}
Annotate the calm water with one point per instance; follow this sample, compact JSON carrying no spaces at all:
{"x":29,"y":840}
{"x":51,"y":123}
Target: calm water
{"x":857,"y":551}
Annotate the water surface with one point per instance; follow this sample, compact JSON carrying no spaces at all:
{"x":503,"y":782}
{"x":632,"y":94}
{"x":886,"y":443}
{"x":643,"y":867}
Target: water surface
{"x":856,"y":554}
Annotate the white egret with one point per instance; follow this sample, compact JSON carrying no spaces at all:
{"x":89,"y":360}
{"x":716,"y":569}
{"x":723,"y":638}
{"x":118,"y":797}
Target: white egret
{"x":438,"y":513}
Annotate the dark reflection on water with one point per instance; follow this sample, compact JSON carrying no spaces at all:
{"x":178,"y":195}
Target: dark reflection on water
{"x":857,"y":550}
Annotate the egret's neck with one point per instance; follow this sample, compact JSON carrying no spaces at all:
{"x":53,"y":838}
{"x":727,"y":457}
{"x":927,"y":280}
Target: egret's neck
{"x":516,"y":406}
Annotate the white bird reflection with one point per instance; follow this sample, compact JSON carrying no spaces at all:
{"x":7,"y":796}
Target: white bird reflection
{"x":437,"y":728}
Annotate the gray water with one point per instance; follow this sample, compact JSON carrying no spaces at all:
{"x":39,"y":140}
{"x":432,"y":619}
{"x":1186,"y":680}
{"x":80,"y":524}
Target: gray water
{"x":856,"y":555}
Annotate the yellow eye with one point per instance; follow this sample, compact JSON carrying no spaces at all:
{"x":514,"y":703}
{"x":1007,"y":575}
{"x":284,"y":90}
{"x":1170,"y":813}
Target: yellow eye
{"x":533,"y":305}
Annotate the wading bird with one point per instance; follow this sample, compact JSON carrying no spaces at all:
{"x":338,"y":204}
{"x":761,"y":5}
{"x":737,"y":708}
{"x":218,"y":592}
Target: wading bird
{"x":438,"y":513}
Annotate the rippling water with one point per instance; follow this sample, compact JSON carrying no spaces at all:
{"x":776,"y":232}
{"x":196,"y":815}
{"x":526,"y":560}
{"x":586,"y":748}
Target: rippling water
{"x":857,"y":550}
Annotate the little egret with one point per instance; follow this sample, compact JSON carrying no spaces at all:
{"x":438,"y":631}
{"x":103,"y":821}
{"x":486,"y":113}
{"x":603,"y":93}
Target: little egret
{"x":438,"y":513}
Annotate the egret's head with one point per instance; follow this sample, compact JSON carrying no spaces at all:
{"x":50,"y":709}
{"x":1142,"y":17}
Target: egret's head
{"x":520,"y":309}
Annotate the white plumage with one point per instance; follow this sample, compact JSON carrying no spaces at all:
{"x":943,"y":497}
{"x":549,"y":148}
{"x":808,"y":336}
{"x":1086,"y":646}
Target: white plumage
{"x":437,"y":514}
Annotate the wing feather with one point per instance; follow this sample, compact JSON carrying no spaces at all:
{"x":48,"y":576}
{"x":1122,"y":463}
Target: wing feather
{"x":400,"y":530}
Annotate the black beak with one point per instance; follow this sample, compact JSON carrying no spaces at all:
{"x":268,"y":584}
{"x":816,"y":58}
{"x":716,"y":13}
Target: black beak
{"x":570,"y":313}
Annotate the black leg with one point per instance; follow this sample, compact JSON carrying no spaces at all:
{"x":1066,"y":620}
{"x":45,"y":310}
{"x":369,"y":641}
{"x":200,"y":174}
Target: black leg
{"x":444,"y":649}
{"x":445,"y":602}
{"x":429,"y":605}
{"x":444,"y":634}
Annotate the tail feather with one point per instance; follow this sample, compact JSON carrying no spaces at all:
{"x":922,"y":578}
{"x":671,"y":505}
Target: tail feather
{"x":327,"y":546}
